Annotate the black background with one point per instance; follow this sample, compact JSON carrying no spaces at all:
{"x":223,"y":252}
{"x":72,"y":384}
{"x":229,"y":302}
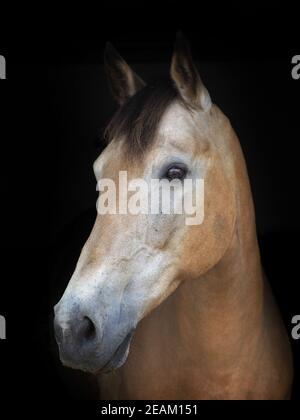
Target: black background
{"x":54,"y":106}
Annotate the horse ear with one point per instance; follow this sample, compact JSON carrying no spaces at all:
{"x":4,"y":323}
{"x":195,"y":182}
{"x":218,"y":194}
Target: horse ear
{"x":124,"y":82}
{"x":186,"y":77}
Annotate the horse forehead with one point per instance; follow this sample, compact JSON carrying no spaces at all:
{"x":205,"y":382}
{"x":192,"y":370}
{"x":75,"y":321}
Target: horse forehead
{"x":177,"y":122}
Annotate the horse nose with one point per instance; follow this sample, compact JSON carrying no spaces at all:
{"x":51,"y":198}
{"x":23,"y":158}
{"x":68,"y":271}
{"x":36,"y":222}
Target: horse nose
{"x":78,"y":336}
{"x":82,"y":331}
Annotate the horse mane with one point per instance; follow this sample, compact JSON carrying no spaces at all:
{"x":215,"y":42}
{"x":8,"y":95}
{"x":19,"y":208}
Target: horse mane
{"x":137,"y":120}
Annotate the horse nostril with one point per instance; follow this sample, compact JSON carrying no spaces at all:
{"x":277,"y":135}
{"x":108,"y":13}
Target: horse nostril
{"x":74,"y":332}
{"x":87,"y":329}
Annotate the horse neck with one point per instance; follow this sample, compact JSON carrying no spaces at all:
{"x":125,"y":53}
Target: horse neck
{"x":225,"y":305}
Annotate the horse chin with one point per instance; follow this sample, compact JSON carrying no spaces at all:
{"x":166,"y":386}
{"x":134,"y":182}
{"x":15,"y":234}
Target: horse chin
{"x":119,"y":357}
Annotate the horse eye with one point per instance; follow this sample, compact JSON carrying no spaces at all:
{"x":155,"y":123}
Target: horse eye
{"x":175,"y":172}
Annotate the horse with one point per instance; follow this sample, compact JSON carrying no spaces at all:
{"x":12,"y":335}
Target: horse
{"x":156,"y":308}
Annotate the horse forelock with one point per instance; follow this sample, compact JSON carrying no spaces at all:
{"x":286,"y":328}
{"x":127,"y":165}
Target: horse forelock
{"x":137,"y":121}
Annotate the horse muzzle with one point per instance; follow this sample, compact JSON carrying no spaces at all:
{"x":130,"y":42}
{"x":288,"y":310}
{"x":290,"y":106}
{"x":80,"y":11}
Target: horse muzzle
{"x":85,"y":344}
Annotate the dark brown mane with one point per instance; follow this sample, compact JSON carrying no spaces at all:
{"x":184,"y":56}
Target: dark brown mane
{"x":137,"y":120}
